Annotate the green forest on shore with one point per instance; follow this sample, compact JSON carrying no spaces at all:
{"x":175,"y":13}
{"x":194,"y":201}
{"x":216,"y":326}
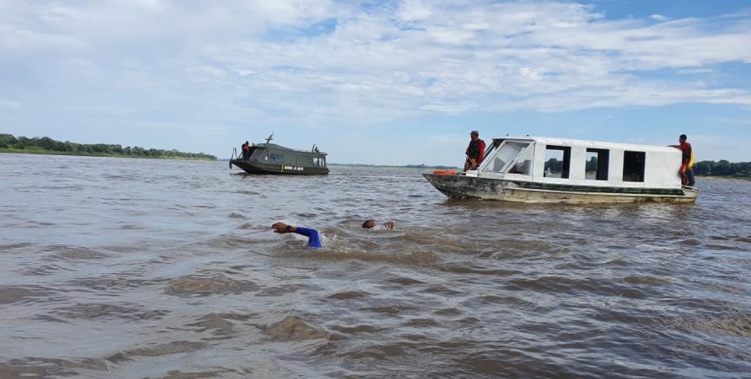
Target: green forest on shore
{"x":46,"y":145}
{"x":723,"y":168}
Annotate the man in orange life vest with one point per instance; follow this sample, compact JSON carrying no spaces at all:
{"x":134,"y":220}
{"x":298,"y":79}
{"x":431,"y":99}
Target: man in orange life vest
{"x":687,"y":161}
{"x":475,"y":151}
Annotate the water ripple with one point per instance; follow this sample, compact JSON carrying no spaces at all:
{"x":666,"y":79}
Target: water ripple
{"x":168,"y":269}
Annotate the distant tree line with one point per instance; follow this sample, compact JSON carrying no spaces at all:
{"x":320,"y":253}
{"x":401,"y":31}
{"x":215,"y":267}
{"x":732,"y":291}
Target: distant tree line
{"x":704,"y":168}
{"x":723,"y":168}
{"x":46,"y":145}
{"x":423,"y":166}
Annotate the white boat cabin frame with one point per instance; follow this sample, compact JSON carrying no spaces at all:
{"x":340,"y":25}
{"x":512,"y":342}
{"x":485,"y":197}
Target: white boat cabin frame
{"x":616,"y":164}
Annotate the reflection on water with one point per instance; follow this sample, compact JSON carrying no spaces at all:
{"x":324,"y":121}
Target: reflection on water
{"x":162,"y":269}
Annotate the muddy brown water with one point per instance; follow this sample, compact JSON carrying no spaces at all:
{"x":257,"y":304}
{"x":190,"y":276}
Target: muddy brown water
{"x":123,"y":268}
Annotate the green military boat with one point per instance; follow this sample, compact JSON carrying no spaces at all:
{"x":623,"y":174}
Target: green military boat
{"x":269,"y":158}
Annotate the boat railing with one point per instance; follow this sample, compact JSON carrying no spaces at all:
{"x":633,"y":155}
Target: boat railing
{"x":231,"y":158}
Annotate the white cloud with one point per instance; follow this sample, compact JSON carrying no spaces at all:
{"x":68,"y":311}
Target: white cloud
{"x":9,"y":104}
{"x":730,"y":121}
{"x":696,"y":71}
{"x":414,"y":10}
{"x":321,"y":62}
{"x":152,"y":4}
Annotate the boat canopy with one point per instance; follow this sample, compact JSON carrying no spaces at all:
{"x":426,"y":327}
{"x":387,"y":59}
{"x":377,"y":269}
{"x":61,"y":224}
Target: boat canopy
{"x":576,"y":161}
{"x":269,"y":152}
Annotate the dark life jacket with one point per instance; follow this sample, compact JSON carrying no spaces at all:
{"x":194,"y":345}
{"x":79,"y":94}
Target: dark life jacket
{"x":473,"y":150}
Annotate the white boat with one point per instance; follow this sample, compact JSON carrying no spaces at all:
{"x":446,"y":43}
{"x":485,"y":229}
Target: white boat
{"x":554,"y":170}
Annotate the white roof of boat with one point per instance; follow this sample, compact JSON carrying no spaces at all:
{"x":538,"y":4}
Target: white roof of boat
{"x":592,"y":144}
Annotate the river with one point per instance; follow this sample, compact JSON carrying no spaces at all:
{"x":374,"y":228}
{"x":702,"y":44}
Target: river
{"x":134,"y":268}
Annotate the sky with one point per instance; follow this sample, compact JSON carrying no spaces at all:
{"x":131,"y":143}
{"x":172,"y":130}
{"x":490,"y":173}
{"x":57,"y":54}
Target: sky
{"x":391,"y":82}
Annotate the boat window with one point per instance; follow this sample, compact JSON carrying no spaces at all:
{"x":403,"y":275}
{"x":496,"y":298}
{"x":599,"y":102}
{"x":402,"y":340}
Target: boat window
{"x":597,"y":164}
{"x":507,"y":152}
{"x":276,"y":157}
{"x":557,"y":161}
{"x":522,"y":164}
{"x":633,"y":166}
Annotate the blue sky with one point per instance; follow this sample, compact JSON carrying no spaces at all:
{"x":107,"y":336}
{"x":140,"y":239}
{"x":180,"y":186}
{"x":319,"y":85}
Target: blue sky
{"x":378,"y":82}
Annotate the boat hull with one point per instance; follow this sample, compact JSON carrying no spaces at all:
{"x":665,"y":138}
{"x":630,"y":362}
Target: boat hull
{"x":262,"y":168}
{"x":472,"y":187}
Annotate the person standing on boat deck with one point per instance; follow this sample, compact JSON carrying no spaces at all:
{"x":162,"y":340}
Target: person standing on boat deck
{"x":475,"y":151}
{"x":687,"y":161}
{"x":370,"y":224}
{"x":314,"y":240}
{"x":246,"y":151}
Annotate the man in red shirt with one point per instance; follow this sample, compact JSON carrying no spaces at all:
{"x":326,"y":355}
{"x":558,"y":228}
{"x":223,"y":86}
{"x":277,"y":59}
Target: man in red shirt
{"x":475,"y":151}
{"x":687,"y":161}
{"x":246,"y":151}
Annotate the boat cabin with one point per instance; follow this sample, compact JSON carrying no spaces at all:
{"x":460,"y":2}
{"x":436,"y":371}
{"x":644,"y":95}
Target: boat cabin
{"x":277,"y":154}
{"x":575,"y":162}
{"x":270,"y":158}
